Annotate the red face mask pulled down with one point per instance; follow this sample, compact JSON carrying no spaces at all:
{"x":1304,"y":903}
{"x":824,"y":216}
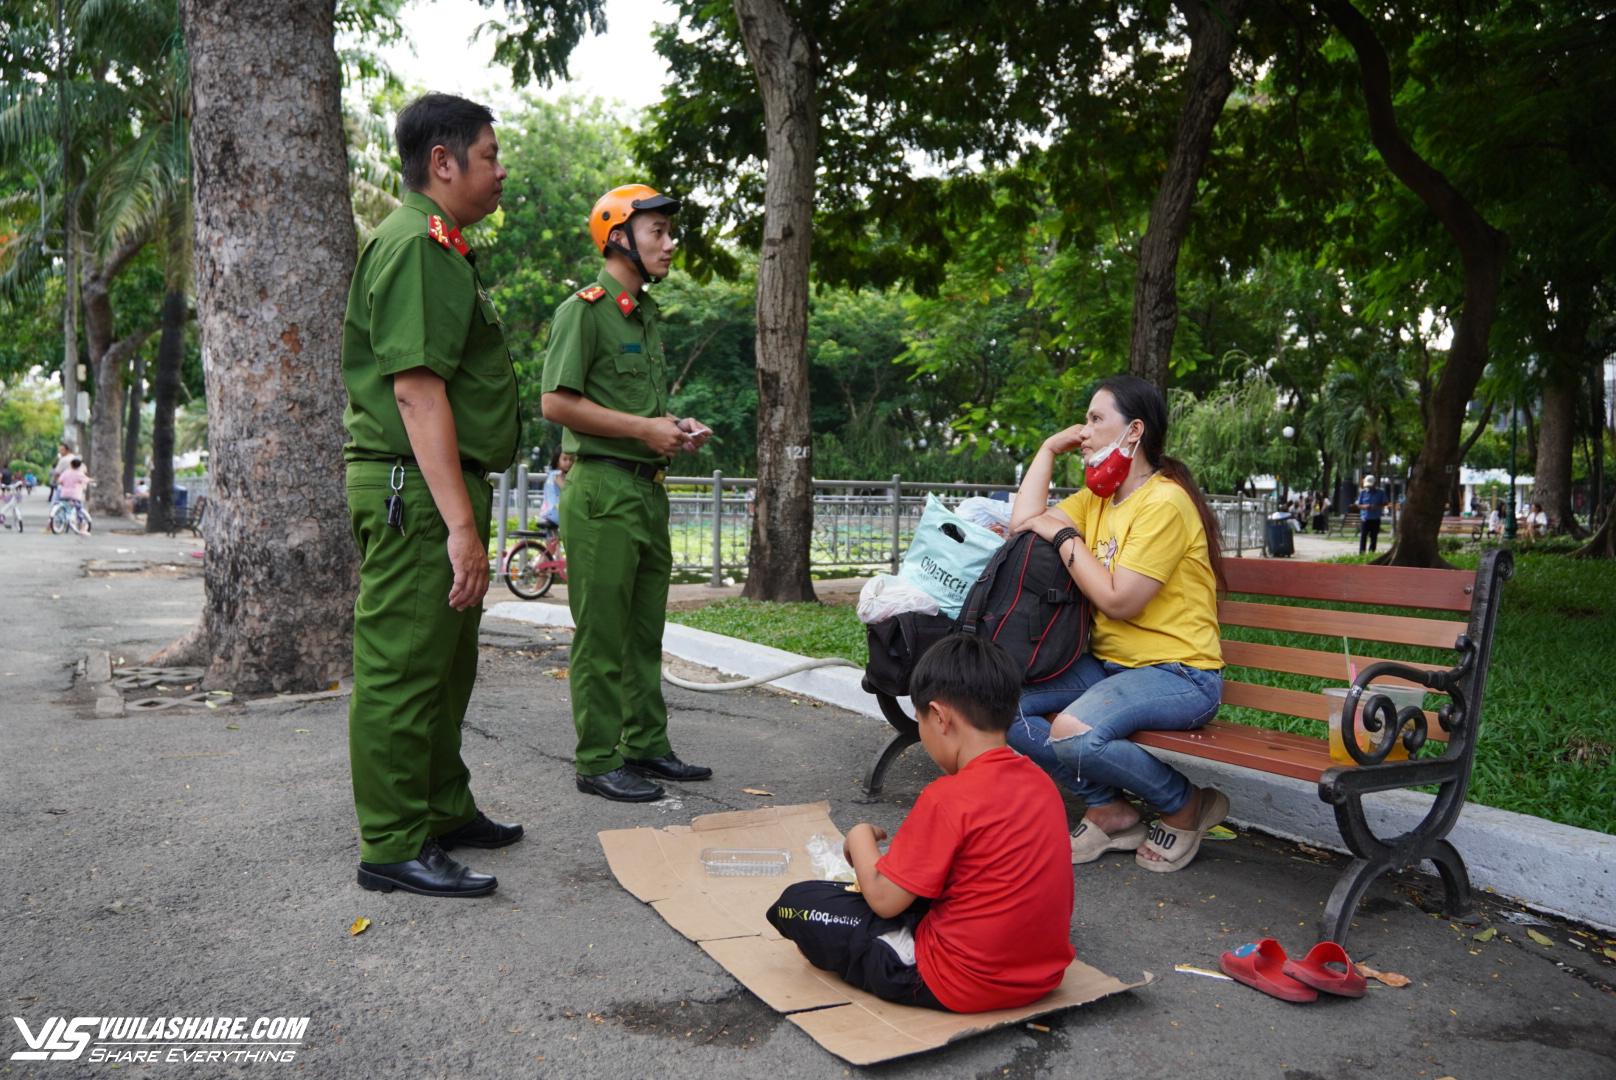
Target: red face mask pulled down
{"x":1107,"y":468}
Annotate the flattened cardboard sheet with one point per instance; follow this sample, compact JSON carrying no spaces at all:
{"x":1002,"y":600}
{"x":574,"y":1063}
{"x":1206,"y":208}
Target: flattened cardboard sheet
{"x":725,"y":916}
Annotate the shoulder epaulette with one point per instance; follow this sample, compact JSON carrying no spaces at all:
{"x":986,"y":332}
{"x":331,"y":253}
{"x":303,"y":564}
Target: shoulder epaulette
{"x":591,"y":294}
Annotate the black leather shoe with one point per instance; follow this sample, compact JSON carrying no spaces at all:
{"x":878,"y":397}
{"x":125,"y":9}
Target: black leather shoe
{"x":619,"y":785}
{"x":480,"y":832}
{"x":668,"y":767}
{"x":432,"y":873}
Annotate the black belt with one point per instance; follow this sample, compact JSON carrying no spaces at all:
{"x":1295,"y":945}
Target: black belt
{"x":466,"y":464}
{"x":645,"y":470}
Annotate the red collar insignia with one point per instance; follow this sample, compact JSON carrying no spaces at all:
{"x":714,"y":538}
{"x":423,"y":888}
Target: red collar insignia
{"x":449,"y":238}
{"x":625,"y":302}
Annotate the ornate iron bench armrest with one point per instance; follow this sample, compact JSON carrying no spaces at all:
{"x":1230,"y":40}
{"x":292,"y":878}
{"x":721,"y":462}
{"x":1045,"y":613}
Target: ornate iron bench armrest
{"x":1408,"y":725}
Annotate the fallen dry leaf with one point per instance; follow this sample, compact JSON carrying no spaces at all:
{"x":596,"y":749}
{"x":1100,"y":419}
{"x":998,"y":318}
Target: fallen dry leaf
{"x":1218,"y":832}
{"x":1610,"y":954}
{"x":1487,"y":934}
{"x":360,"y":925}
{"x":1390,"y":978}
{"x":1542,"y":939}
{"x":757,"y":791}
{"x":559,"y":673}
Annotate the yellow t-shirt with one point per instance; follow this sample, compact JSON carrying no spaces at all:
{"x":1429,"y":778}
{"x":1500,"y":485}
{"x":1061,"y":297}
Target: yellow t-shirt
{"x":1156,"y":532}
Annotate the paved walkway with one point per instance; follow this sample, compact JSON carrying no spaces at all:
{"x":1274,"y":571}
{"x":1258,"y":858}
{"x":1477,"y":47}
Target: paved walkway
{"x":202,"y":862}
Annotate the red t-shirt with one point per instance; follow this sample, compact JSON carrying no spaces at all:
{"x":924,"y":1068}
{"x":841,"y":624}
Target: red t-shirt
{"x":989,"y":846}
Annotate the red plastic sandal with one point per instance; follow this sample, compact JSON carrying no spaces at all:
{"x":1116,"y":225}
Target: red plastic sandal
{"x":1327,"y":967}
{"x":1262,"y":966}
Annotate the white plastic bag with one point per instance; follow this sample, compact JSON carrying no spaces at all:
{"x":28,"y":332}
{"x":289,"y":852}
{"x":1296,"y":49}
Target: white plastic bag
{"x":989,"y":513}
{"x":829,"y":864}
{"x":886,"y":595}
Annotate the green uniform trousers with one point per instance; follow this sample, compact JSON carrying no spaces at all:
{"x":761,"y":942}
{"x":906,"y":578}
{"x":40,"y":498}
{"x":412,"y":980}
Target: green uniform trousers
{"x":615,"y":526}
{"x":415,"y":660}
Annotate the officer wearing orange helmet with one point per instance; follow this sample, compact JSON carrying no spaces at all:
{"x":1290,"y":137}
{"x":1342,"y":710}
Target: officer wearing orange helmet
{"x":606,"y":383}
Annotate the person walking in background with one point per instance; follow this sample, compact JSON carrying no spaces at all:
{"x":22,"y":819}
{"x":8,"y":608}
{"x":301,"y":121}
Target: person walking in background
{"x":554,"y":481}
{"x":1371,"y":505}
{"x":64,"y":454}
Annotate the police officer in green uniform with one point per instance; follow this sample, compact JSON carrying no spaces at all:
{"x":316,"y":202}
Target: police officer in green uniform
{"x":605,"y":382}
{"x":432,"y":409}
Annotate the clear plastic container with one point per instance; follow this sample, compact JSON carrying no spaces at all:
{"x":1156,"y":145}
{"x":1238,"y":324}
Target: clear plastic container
{"x":745,"y":862}
{"x":1403,"y":697}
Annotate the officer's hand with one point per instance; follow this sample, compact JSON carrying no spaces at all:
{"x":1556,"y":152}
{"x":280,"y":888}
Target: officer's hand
{"x":696,"y":433}
{"x":663,"y":436}
{"x":468,"y":557}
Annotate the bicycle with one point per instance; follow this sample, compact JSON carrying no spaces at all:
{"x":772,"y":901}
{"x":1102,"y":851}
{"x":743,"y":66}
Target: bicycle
{"x":58,"y":521}
{"x":534,"y":562}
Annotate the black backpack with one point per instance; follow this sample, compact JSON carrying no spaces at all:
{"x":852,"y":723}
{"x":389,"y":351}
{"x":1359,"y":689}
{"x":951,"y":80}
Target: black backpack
{"x":1028,"y":604}
{"x":895,"y":646}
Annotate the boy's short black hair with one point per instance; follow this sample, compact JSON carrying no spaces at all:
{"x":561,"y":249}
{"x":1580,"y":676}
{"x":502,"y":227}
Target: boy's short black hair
{"x":973,"y":675}
{"x":436,"y":120}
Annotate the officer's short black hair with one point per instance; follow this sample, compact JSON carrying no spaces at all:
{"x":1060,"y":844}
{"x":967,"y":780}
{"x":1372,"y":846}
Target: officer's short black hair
{"x":972,"y":674}
{"x":436,"y":120}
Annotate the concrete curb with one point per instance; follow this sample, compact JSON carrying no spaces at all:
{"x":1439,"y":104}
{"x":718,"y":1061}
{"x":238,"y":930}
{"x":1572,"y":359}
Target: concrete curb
{"x":1557,"y":869}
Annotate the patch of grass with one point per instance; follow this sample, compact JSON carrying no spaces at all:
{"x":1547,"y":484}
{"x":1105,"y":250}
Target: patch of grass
{"x":1548,"y":727}
{"x":806,"y":629}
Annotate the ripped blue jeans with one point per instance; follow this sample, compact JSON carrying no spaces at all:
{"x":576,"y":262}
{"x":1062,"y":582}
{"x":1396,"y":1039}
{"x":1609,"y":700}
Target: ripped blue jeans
{"x":1116,"y":701}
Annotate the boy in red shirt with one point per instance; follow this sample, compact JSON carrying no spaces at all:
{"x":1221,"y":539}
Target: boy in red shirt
{"x":970,"y":909}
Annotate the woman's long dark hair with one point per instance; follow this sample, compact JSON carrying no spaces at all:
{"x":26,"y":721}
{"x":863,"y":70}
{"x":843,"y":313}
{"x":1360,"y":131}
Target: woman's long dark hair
{"x":1140,"y":400}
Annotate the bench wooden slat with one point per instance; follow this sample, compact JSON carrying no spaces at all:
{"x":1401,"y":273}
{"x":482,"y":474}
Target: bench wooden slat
{"x":1255,"y":748}
{"x":1399,"y":629}
{"x":1303,"y":703}
{"x":1324,"y":665}
{"x":1397,"y":586}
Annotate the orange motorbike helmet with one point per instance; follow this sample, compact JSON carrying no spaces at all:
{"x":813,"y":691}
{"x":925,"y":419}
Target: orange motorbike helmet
{"x":613,"y":211}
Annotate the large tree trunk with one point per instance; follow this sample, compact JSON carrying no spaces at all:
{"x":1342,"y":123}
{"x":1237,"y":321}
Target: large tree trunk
{"x":783,"y":523}
{"x":275,"y":247}
{"x":1555,"y":434}
{"x":108,"y":359}
{"x":72,"y":433}
{"x":131,"y":427}
{"x":1481,"y":251}
{"x":166,"y":382}
{"x":1212,"y":25}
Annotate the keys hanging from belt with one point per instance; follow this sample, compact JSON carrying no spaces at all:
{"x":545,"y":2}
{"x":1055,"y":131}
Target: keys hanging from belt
{"x":395,"y":501}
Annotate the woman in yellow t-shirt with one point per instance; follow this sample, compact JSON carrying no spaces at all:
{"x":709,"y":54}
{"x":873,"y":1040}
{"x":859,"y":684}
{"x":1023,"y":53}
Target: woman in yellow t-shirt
{"x":1142,"y":544}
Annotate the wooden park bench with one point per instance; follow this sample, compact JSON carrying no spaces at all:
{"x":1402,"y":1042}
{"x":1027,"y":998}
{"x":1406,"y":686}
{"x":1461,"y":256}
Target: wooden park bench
{"x":191,"y":518}
{"x":1324,"y":600}
{"x":1471,"y":528}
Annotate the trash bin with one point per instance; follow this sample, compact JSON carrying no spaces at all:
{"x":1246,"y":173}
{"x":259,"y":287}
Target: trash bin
{"x":1281,"y":543}
{"x":180,"y":497}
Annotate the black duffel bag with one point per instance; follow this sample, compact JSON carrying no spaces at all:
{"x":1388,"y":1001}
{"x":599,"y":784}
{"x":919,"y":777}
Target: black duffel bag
{"x":896,"y":644}
{"x":1028,"y":604}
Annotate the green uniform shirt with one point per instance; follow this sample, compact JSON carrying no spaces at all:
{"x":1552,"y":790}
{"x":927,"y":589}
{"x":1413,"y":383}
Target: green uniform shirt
{"x":416,"y":302}
{"x":604,"y":344}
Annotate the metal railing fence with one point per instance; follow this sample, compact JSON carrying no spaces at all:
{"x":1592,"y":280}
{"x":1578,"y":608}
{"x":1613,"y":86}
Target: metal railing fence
{"x":859,"y":525}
